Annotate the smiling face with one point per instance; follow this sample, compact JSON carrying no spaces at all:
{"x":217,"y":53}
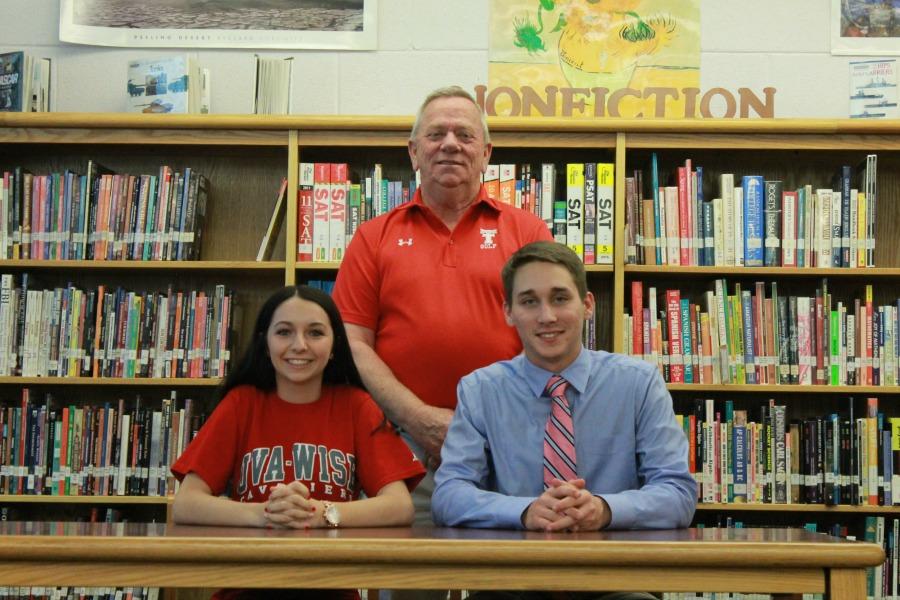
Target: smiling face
{"x":548,"y":314}
{"x":449,"y":148}
{"x":300,"y":340}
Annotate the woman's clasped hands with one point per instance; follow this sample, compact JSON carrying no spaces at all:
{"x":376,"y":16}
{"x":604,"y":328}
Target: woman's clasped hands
{"x":289,"y":506}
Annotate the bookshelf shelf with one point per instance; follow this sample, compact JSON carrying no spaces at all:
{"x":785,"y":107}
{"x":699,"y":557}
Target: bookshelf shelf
{"x":318,"y":266}
{"x":208,"y":382}
{"x":798,"y":508}
{"x":776,"y":272}
{"x":787,"y":390}
{"x":88,"y":500}
{"x":129,"y":265}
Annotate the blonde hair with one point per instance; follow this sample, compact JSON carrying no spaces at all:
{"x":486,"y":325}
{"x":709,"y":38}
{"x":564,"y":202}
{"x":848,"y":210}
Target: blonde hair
{"x":452,"y":91}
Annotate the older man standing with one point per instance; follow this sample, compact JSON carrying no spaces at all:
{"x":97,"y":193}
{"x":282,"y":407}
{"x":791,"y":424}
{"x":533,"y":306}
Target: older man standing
{"x":419,"y":287}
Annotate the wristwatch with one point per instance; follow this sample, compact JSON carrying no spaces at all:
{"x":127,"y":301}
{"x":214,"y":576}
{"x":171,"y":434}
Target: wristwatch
{"x":331,"y":514}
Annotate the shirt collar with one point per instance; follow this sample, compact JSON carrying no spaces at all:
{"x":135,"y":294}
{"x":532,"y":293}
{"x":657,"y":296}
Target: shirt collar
{"x":483,"y":200}
{"x":536,"y":378}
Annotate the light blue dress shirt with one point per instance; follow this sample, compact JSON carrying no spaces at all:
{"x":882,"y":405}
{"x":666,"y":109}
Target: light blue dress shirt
{"x":629,"y":447}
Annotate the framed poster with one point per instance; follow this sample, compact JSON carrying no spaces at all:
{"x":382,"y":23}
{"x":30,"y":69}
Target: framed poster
{"x":284,"y":24}
{"x":865,"y":27}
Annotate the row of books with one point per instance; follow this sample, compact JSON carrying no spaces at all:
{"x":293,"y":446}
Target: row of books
{"x":829,"y":459}
{"x":579,"y":212}
{"x":105,"y":332}
{"x":330,"y":207}
{"x":749,"y":337}
{"x":883,"y":581}
{"x":113,"y":449}
{"x":102,"y":215}
{"x":756,"y":223}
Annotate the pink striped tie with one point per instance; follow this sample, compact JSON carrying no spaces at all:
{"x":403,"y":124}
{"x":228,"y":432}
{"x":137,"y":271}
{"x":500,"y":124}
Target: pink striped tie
{"x":559,"y":435}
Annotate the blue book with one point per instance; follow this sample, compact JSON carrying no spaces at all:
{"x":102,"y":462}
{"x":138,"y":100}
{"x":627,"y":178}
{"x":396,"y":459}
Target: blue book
{"x":686,"y":340}
{"x":801,"y":227}
{"x":842,"y":259}
{"x":707,"y":252}
{"x":749,"y":353}
{"x":753,"y":186}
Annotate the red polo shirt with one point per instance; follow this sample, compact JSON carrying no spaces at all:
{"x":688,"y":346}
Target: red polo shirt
{"x":434,"y":297}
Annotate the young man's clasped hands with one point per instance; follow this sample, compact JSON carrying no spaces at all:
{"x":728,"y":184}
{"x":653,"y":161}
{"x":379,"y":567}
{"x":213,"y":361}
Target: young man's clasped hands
{"x":566,"y":506}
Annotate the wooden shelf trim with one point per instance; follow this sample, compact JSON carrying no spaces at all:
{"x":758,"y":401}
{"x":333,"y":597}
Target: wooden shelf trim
{"x":538,"y":125}
{"x":123,"y":381}
{"x":870,"y":273}
{"x":89,"y":500}
{"x":852,"y":390}
{"x":797,"y":508}
{"x":155,"y":265}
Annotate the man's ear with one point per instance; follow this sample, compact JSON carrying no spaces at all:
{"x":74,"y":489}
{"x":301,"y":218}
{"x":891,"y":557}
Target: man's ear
{"x":589,"y":305}
{"x":507,"y":314}
{"x":487,"y":157}
{"x":411,"y":147}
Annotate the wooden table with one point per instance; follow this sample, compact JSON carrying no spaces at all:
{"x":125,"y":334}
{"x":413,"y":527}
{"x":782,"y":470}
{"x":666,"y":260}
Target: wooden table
{"x":722,"y":560}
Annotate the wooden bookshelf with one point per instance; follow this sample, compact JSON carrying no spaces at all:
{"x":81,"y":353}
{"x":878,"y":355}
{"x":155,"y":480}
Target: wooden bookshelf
{"x":245,"y":158}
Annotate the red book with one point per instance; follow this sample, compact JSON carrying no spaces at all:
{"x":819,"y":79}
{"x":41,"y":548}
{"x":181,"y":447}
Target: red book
{"x":673,"y":316}
{"x":637,"y":318}
{"x":337,"y":212}
{"x":868,"y":346}
{"x":305,"y":213}
{"x":685,"y":231}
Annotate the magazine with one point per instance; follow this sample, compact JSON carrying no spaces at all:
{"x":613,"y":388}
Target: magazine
{"x":12,"y":81}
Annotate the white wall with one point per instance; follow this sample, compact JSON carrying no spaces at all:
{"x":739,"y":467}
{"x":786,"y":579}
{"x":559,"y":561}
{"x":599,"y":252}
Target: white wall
{"x":424,"y":44}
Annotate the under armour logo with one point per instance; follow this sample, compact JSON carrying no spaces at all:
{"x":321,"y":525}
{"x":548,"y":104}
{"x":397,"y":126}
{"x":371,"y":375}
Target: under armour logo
{"x":488,"y":238}
{"x":406,"y":242}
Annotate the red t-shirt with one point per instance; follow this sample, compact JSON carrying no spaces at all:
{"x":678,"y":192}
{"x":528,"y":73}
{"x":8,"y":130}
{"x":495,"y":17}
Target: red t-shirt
{"x":433,"y":297}
{"x":335,"y":446}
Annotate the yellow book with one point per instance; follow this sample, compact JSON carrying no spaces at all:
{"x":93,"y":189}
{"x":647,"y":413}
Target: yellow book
{"x":575,"y":208}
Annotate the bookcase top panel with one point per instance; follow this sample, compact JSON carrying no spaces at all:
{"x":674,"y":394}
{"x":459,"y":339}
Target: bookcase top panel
{"x":404,"y":123}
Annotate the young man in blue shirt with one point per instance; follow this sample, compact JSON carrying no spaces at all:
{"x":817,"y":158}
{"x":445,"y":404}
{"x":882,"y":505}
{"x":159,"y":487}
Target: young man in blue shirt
{"x":629,"y":463}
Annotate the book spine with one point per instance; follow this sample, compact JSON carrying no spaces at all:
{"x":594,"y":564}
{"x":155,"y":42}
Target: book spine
{"x":591,"y":181}
{"x":575,"y":208}
{"x":685,"y":232}
{"x":321,"y":206}
{"x":605,"y":213}
{"x":305,"y":213}
{"x":746,"y":306}
{"x":337,"y":215}
{"x":753,"y":192}
{"x":673,"y":313}
{"x":773,"y":225}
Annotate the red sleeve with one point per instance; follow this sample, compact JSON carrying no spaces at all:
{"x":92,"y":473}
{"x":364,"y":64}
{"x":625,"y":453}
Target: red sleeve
{"x":383,"y":457}
{"x":212,"y":454}
{"x":356,"y":289}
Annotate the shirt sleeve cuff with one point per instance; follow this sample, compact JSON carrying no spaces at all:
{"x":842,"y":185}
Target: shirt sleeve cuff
{"x":622,"y":512}
{"x":509,"y":513}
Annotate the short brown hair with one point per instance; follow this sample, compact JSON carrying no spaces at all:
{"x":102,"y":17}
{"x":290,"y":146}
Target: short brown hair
{"x":451,"y":91}
{"x":548,"y":252}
